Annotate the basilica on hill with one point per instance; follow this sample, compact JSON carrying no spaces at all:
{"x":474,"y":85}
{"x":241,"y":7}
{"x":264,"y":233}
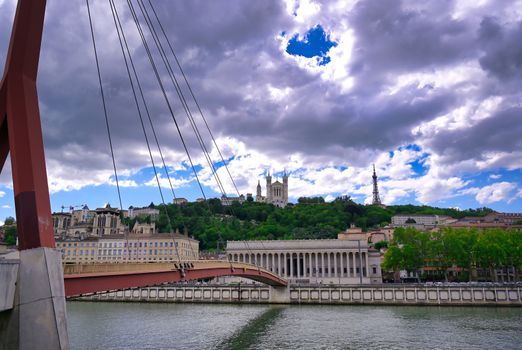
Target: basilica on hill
{"x":276,"y":192}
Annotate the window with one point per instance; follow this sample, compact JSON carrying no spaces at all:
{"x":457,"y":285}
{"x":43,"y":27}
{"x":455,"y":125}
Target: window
{"x":374,"y":270}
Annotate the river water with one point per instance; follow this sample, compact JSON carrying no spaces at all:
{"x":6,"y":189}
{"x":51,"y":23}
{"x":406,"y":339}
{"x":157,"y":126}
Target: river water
{"x":218,"y":326}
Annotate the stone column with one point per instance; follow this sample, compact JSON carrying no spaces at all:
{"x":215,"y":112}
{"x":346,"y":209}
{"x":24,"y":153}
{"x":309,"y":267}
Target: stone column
{"x":316,"y":265}
{"x":299,"y":272}
{"x":322,"y":264}
{"x":354,"y":265}
{"x":291,"y":265}
{"x":306,"y":264}
{"x":348,"y":264}
{"x":329,"y":264}
{"x":335,"y":265}
{"x":342,"y":265}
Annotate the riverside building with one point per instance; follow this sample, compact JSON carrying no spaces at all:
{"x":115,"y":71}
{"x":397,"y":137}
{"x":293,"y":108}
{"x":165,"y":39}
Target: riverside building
{"x":134,"y":248}
{"x":346,"y":260}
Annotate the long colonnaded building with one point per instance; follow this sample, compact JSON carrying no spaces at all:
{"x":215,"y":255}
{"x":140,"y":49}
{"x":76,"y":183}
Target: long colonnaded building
{"x":346,"y":260}
{"x":134,"y":248}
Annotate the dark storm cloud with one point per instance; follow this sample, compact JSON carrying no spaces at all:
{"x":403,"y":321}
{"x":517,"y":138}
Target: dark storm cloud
{"x":498,"y":133}
{"x":231,"y":53}
{"x":502,"y":56}
{"x":392,"y":38}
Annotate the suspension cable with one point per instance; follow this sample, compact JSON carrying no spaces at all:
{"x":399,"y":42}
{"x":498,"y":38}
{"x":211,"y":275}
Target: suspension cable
{"x":180,"y":94}
{"x":142,"y":35}
{"x":106,"y":119}
{"x":185,"y":104}
{"x":104,"y":104}
{"x":158,"y":78}
{"x":123,"y":43}
{"x":193,"y":96}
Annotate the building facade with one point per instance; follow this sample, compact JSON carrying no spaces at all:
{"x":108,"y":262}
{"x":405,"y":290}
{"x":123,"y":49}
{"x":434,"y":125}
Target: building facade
{"x":421,"y":221}
{"x":320,"y":261}
{"x":143,"y":212}
{"x":133,"y":248}
{"x":276,"y":192}
{"x":227,"y":200}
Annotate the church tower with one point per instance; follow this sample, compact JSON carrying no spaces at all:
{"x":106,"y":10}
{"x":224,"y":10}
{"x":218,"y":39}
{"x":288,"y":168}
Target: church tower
{"x":285,"y":187}
{"x":376,"y":199}
{"x":268,"y":187}
{"x":258,"y":190}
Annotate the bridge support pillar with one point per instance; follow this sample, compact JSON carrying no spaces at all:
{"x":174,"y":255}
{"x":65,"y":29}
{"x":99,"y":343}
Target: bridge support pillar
{"x":280,"y":295}
{"x":32,"y":305}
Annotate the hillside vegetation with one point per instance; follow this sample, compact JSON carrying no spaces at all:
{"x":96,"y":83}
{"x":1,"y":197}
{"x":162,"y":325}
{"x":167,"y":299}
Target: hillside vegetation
{"x":213,"y":224}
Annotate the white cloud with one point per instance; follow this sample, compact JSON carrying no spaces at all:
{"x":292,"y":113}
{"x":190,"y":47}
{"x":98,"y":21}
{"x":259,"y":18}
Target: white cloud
{"x":6,"y":206}
{"x":499,"y":191}
{"x":495,"y":176}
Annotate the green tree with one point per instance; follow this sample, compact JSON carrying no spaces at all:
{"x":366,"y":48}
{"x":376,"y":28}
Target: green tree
{"x":393,"y":261}
{"x":9,"y":220}
{"x":10,"y":235}
{"x":492,"y":250}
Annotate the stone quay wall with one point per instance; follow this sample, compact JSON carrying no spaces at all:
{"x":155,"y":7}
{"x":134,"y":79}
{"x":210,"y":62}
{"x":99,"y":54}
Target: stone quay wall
{"x":369,"y":295}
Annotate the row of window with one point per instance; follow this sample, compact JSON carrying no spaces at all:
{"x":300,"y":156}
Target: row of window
{"x":149,"y":258}
{"x":124,"y":244}
{"x":101,"y":252}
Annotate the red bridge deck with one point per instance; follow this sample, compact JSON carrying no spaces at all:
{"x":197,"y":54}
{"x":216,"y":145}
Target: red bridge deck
{"x":93,"y":278}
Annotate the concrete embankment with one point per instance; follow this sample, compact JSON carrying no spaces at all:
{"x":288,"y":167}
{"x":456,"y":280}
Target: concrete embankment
{"x":476,"y":295}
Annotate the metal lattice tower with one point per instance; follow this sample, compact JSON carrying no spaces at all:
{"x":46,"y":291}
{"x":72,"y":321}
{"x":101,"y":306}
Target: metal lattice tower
{"x":376,"y":199}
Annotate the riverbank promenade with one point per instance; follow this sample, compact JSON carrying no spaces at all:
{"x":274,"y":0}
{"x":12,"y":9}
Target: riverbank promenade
{"x":384,"y":294}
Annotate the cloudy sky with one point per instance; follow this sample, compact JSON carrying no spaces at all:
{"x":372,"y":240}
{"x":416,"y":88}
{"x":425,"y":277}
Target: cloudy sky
{"x":429,"y":91}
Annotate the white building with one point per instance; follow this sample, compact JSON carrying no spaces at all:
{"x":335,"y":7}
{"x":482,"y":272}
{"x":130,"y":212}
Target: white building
{"x":404,"y":220}
{"x":276,"y":192}
{"x":226,"y":200}
{"x":143,"y":212}
{"x":320,"y":261}
{"x":135,"y":248}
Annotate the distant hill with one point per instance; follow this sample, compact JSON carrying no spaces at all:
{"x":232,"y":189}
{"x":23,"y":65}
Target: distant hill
{"x":213,"y":224}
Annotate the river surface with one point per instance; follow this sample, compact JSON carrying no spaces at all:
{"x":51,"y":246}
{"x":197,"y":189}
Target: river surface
{"x":105,"y":325}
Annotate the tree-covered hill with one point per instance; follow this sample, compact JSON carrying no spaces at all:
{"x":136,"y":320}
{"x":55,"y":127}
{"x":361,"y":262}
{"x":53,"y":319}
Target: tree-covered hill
{"x":211,"y":222}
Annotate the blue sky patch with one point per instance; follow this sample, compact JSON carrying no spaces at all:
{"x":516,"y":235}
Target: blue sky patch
{"x":316,"y":43}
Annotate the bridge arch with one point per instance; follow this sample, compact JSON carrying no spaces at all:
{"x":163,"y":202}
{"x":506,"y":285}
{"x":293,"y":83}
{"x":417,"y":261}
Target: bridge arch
{"x":83,"y":279}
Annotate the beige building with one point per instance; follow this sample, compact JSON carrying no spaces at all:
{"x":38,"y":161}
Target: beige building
{"x":144,"y":229}
{"x":107,"y":222}
{"x":143,"y":212}
{"x":227,"y":200}
{"x":421,"y":222}
{"x":136,"y":248}
{"x":315,"y":261}
{"x":180,"y":201}
{"x":61,"y":223}
{"x":276,"y":192}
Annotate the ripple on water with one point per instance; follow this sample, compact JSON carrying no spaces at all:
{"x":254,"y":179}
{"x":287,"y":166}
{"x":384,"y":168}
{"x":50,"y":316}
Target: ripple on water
{"x":197,"y":326}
